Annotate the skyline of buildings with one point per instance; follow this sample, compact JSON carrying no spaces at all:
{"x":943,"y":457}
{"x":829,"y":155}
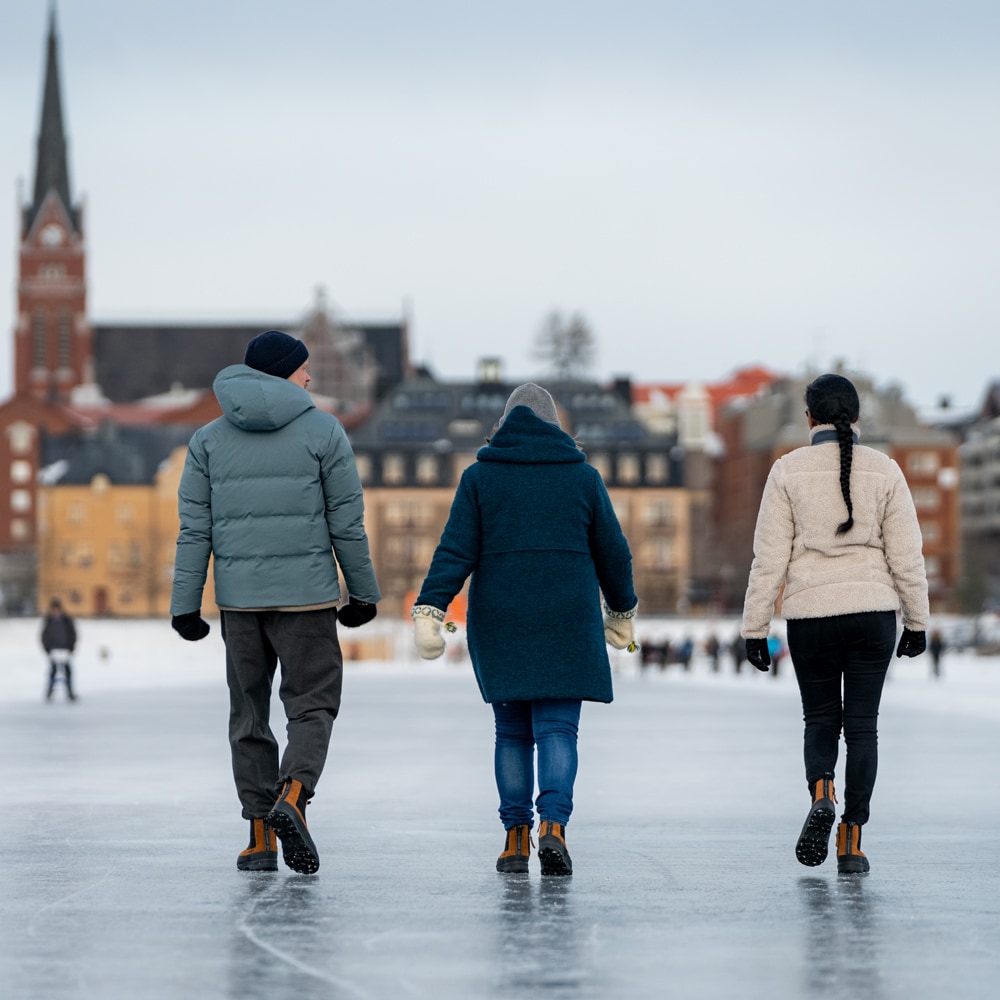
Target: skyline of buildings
{"x":100,"y":414}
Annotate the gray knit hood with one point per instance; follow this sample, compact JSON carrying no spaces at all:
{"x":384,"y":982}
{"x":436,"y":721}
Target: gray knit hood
{"x":536,"y":399}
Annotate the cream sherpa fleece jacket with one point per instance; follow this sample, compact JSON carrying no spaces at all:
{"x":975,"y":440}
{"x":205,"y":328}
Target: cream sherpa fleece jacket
{"x":876,"y":566}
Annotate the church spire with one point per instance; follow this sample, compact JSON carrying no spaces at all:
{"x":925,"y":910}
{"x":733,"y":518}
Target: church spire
{"x":51,"y":169}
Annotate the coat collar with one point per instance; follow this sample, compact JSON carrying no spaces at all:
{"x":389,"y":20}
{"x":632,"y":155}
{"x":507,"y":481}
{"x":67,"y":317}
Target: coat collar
{"x":822,"y":433}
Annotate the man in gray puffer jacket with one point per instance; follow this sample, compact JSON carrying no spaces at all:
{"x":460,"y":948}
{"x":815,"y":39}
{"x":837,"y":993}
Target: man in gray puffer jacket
{"x":270,"y":491}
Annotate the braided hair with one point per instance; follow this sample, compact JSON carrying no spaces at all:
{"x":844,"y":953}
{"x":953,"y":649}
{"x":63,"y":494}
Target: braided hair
{"x":832,"y":399}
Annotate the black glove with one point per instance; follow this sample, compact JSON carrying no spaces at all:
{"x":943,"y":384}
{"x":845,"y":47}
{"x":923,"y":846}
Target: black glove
{"x":911,"y":643}
{"x":355,"y":613}
{"x":190,"y":626}
{"x":758,"y":654}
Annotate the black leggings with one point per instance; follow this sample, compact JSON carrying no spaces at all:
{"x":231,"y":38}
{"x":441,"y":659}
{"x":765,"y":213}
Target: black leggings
{"x":853,"y":651}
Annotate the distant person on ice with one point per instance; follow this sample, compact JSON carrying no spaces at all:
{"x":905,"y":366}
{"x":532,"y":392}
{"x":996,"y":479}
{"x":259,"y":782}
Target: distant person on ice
{"x":270,"y":489}
{"x":844,"y":580}
{"x":59,"y":642}
{"x":533,"y":526}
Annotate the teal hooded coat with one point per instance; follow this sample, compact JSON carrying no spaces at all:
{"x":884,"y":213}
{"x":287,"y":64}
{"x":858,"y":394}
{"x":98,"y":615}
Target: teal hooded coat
{"x":271,"y":491}
{"x":533,"y":525}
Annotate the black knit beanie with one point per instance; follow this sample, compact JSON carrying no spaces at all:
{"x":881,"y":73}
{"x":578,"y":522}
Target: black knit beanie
{"x":276,"y":353}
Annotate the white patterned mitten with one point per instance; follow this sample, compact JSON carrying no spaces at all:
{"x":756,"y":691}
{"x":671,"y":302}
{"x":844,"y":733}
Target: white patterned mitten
{"x":619,"y":629}
{"x":428,"y":636}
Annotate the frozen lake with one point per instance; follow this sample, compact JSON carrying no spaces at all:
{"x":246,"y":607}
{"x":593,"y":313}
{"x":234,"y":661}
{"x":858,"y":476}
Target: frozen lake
{"x":122,"y":829}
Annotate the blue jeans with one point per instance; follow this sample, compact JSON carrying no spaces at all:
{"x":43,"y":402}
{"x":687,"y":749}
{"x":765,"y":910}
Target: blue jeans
{"x":551,"y":724}
{"x":853,"y":651}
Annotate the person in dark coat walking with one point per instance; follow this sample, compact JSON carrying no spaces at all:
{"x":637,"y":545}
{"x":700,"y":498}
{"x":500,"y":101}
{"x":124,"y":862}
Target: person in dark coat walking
{"x":59,"y":643}
{"x":534,"y":528}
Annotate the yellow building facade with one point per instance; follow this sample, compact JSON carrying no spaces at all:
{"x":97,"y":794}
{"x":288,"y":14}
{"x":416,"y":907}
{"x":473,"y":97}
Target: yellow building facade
{"x":108,"y":550}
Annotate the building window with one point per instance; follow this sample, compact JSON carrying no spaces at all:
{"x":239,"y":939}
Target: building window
{"x":20,"y":501}
{"x":404,"y":514}
{"x":922,"y":463}
{"x":933,"y":567}
{"x":125,"y":513}
{"x":466,"y":429}
{"x":21,"y":435}
{"x":66,"y":555}
{"x":76,"y":513}
{"x":86,"y":556}
{"x":409,"y":550}
{"x":39,"y":354}
{"x":628,"y":469}
{"x":659,"y":513}
{"x":20,"y":471}
{"x":657,"y":469}
{"x":657,"y":553}
{"x":925,"y":498}
{"x":393,"y":470}
{"x":64,"y":343}
{"x":20,"y":530}
{"x":931,"y":531}
{"x":363,"y":463}
{"x":427,"y":470}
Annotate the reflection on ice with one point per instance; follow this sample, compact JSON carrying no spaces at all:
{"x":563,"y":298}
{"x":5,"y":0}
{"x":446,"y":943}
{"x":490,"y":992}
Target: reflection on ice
{"x":842,"y":936}
{"x":538,"y":937}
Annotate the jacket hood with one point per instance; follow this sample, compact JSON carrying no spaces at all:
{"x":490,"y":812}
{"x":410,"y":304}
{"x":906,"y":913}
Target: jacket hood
{"x":253,"y":401}
{"x":527,"y":439}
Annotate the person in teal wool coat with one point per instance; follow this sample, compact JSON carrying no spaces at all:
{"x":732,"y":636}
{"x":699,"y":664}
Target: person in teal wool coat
{"x":533,"y":526}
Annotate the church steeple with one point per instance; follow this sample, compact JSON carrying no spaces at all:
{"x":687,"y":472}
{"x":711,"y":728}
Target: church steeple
{"x":53,"y":344}
{"x":52,"y":164}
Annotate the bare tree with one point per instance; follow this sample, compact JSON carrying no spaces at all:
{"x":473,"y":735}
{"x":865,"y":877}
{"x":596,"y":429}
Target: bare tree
{"x":566,"y":345}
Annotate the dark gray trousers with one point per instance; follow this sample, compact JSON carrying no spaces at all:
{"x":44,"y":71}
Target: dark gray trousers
{"x":311,"y":677}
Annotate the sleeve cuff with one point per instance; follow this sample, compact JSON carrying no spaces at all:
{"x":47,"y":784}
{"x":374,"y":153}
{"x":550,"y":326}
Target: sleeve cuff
{"x":621,"y":614}
{"x":426,"y":611}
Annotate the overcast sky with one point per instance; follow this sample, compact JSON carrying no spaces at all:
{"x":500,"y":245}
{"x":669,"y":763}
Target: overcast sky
{"x":710,"y":184}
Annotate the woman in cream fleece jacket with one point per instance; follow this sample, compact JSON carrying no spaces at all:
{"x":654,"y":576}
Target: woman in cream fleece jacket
{"x":844,"y":581}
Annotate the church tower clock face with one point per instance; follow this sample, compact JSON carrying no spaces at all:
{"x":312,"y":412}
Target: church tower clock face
{"x":53,"y":235}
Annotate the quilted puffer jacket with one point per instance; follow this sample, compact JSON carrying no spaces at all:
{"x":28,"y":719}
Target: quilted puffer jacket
{"x":270,"y":490}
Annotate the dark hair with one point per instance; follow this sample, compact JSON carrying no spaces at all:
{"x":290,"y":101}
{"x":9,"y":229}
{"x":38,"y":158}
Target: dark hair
{"x":832,"y":399}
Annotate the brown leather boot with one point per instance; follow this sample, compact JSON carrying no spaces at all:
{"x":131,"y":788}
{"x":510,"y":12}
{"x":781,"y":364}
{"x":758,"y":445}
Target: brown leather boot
{"x":517,"y":851}
{"x":288,"y":820}
{"x":262,"y":854}
{"x":850,"y":859}
{"x":552,"y":852}
{"x":813,"y":843}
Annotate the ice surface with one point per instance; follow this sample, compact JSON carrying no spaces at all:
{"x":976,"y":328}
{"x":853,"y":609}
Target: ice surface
{"x":121,"y":830}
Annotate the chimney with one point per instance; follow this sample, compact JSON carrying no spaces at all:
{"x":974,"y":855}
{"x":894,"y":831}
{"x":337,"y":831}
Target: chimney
{"x":490,"y":371}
